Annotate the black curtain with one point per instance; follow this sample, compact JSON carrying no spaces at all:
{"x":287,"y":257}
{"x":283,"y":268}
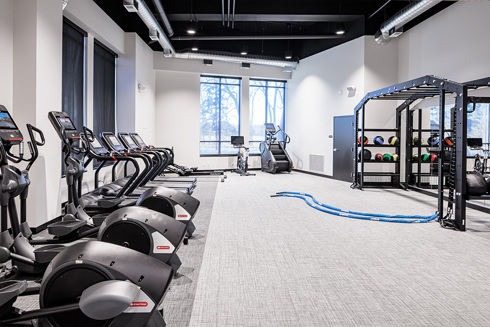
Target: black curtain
{"x":104,"y":89}
{"x":73,"y":75}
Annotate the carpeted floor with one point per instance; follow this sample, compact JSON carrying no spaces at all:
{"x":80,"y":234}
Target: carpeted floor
{"x":277,"y":262}
{"x":262,"y":261}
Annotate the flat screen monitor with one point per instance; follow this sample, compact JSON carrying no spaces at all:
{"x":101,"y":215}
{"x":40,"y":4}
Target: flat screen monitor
{"x":6,"y":121}
{"x":140,"y":140}
{"x":114,"y":140}
{"x":270,"y":127}
{"x":474,"y":142}
{"x":66,"y":123}
{"x":237,"y":140}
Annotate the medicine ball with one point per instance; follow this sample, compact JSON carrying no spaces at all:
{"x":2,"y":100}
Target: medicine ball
{"x":417,"y":141}
{"x":378,"y":157}
{"x":394,"y":157}
{"x":433,"y":140}
{"x":386,"y":157}
{"x":415,"y":157}
{"x":378,"y":140}
{"x":449,"y":140}
{"x":425,"y":157}
{"x":433,"y":157}
{"x":447,"y":156}
{"x":475,"y":184}
{"x":394,"y":141}
{"x":365,"y":140}
{"x":367,"y":154}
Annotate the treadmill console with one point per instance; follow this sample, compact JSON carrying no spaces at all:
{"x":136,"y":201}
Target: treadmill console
{"x":112,"y":141}
{"x":138,"y":140}
{"x":9,"y":132}
{"x":64,"y":126}
{"x":97,"y":147}
{"x":129,"y":141}
{"x":269,"y":127}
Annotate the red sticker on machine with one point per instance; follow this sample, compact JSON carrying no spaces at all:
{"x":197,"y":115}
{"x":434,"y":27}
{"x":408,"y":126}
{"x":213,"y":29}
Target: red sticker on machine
{"x":139,"y":304}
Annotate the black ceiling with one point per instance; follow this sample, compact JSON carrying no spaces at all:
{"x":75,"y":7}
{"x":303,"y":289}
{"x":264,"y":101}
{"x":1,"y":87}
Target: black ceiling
{"x":263,"y":17}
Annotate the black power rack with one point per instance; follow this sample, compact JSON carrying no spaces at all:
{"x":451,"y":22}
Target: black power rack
{"x":409,"y":92}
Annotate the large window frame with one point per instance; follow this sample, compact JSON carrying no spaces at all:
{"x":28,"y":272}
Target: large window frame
{"x":74,"y":74}
{"x":267,"y":84}
{"x":221,"y":81}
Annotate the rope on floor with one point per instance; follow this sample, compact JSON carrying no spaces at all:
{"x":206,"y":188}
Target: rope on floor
{"x":354,"y":214}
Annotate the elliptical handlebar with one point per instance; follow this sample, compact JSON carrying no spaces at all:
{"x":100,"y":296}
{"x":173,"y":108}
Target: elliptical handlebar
{"x":33,"y":144}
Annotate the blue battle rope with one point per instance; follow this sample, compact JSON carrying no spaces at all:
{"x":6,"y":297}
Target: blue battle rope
{"x":356,"y":215}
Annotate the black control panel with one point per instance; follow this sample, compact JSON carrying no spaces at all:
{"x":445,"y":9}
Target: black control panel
{"x":138,"y":140}
{"x":269,"y":127}
{"x":112,"y":142}
{"x":97,"y":146}
{"x":128,"y":141}
{"x":64,"y":126}
{"x":9,"y":132}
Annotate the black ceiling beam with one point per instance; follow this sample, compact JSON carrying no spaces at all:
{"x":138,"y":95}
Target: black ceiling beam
{"x":255,"y":37}
{"x":264,"y":18}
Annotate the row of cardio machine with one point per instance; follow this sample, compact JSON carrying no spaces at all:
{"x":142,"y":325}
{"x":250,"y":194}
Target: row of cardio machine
{"x":137,"y":224}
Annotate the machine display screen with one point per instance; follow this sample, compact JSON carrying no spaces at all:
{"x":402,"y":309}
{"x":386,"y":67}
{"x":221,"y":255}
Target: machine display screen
{"x":6,"y":121}
{"x":66,"y":123}
{"x":270,"y":127}
{"x":114,"y":140}
{"x":96,"y":144}
{"x":237,"y":140}
{"x":140,"y":140}
{"x":130,"y":141}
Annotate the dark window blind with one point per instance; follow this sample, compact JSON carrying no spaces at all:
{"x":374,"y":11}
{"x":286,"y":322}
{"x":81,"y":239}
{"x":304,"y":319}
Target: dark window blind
{"x":73,"y":74}
{"x":104,"y":89}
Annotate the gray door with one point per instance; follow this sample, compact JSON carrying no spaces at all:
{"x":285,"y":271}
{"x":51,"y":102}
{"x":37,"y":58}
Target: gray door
{"x":343,"y":141}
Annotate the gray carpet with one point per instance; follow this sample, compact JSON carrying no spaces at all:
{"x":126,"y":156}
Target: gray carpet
{"x":180,"y":298}
{"x":277,"y":262}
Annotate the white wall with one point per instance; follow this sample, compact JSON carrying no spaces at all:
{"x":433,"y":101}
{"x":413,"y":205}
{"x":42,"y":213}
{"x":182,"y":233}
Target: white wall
{"x":453,"y":44}
{"x":313,"y":100}
{"x":6,"y":54}
{"x":177,"y":115}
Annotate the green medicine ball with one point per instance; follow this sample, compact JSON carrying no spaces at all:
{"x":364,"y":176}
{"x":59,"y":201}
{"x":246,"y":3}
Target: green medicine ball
{"x":386,"y":157}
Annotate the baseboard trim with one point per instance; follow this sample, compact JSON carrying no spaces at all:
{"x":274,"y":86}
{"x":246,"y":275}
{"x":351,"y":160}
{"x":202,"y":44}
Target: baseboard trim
{"x":313,"y":173}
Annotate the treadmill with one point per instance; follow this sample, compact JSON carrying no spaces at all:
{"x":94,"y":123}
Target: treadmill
{"x":113,"y":144}
{"x":129,"y":142}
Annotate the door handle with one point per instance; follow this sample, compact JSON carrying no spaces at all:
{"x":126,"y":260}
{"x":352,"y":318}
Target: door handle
{"x":335,"y":149}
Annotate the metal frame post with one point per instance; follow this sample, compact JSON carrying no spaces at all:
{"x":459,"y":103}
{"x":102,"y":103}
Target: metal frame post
{"x":460,"y":148}
{"x":440,"y":163}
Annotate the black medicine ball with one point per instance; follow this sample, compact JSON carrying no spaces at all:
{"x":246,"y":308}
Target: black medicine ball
{"x":394,"y":141}
{"x":365,"y":140}
{"x":433,"y":140}
{"x":367,"y":155}
{"x":417,"y":141}
{"x":378,"y":140}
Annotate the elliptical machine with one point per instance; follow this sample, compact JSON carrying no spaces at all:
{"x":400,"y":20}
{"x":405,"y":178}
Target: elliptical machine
{"x":274,"y":157}
{"x":92,"y":284}
{"x":242,"y":156}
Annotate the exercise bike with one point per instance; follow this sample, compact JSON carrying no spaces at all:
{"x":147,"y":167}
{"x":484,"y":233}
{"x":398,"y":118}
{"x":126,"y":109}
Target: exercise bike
{"x":242,"y":156}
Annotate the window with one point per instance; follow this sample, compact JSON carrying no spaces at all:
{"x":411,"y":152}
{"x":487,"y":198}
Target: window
{"x":267,"y":103}
{"x":73,"y":75}
{"x":478,"y":123}
{"x":104,"y":89}
{"x":220,"y":114}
